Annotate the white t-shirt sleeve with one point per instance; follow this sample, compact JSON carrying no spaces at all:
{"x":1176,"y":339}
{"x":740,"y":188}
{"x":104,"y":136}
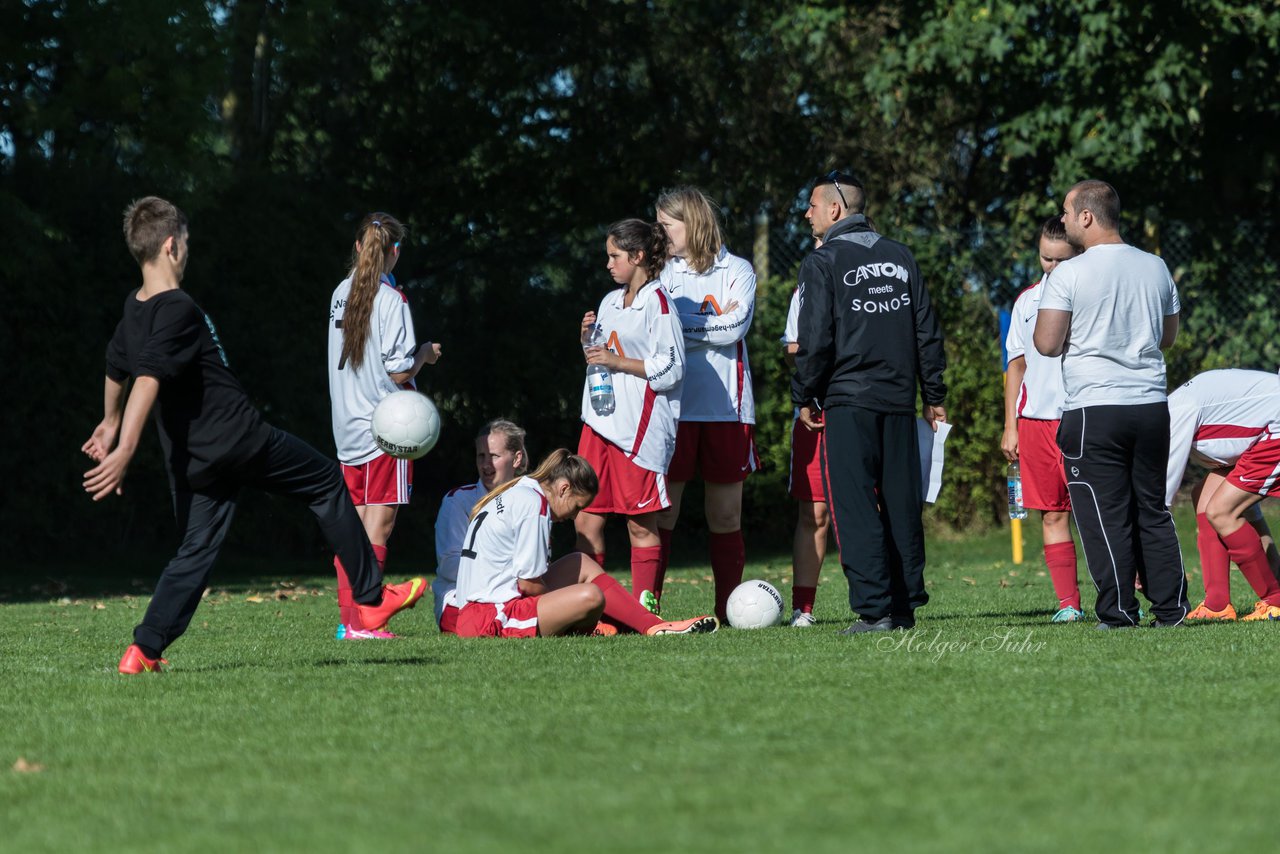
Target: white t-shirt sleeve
{"x":451,"y":529}
{"x":664,"y":363}
{"x":791,"y":332}
{"x":529,"y":556}
{"x":398,"y":340}
{"x":1172,"y":304}
{"x":1182,"y":434}
{"x":1057,"y":291}
{"x":1014,"y":344}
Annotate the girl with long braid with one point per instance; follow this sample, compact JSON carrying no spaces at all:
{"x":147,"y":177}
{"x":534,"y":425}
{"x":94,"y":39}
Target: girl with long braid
{"x":372,"y":352}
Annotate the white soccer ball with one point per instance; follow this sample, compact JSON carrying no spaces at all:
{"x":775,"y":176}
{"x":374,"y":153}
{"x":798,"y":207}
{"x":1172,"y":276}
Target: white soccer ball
{"x":754,"y":605}
{"x":406,"y":424}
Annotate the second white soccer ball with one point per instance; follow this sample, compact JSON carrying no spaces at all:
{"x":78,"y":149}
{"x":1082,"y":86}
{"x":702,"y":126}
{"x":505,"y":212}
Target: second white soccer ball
{"x":754,"y":604}
{"x":406,"y":424}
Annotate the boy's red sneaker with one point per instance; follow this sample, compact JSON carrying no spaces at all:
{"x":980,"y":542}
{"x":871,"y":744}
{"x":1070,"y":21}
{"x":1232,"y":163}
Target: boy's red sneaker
{"x":135,"y":662}
{"x":395,"y":598}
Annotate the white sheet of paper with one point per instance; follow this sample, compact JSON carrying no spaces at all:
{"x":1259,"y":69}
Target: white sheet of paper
{"x":931,"y":456}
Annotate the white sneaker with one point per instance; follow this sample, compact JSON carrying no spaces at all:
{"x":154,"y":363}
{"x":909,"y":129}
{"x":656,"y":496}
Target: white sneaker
{"x":801,"y":619}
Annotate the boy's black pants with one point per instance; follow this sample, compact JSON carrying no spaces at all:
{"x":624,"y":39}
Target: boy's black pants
{"x":285,"y":466}
{"x":1115,"y":459}
{"x":871,"y":471}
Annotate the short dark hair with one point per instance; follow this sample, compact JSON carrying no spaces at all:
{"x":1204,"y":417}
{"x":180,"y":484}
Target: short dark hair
{"x":148,"y":223}
{"x":1100,"y":199}
{"x":848,"y":188}
{"x":1053,"y":228}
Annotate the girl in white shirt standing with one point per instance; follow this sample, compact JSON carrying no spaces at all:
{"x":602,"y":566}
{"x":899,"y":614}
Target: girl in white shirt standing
{"x":644,"y":352}
{"x":715,"y":296}
{"x":372,"y":352}
{"x":507,"y":589}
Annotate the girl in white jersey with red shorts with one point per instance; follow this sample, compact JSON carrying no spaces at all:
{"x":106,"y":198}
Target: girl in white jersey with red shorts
{"x":506,"y":587}
{"x":500,"y":457}
{"x":630,"y":447}
{"x":372,"y":352}
{"x":1229,"y":421}
{"x":715,"y":297}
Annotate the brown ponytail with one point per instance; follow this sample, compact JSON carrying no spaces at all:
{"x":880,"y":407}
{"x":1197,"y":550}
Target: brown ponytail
{"x":378,"y":238}
{"x":560,"y":463}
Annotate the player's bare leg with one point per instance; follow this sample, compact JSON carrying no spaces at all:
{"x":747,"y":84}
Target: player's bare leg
{"x":1225,"y":510}
{"x":590,"y":528}
{"x":808,"y":551}
{"x":577,"y":606}
{"x":379,"y":521}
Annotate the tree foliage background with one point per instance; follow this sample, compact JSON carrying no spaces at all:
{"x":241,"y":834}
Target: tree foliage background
{"x":508,"y":136}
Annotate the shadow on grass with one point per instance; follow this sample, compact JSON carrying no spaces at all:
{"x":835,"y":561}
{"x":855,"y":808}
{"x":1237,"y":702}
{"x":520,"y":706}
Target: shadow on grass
{"x":360,"y":662}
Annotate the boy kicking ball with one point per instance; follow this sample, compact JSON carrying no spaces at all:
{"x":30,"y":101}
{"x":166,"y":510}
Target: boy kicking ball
{"x":214,"y":443}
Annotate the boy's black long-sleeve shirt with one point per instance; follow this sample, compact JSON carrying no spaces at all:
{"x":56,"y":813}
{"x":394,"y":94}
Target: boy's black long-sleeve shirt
{"x":207,"y":424}
{"x":867,"y":329}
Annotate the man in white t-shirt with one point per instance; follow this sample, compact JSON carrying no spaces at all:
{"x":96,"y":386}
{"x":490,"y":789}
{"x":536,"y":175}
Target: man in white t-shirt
{"x":1109,"y":312}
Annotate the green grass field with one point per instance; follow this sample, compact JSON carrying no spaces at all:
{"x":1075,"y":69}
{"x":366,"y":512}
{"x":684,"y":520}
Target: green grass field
{"x":986,"y":729}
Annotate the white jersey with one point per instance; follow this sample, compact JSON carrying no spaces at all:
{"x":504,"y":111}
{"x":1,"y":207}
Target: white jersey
{"x":1118,"y":297}
{"x":509,"y":539}
{"x":1042,"y":395}
{"x":1218,"y":415}
{"x":353,"y":394}
{"x":451,"y":527}
{"x":791,"y":332}
{"x":717,"y":378}
{"x":643,"y":423}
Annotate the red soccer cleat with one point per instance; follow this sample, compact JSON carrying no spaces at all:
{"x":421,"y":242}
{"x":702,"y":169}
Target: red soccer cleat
{"x":135,"y":662}
{"x":395,"y":598}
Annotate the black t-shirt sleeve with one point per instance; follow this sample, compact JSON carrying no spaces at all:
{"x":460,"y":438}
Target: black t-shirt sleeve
{"x":173,"y":342}
{"x":816,"y":332}
{"x":117,"y":358}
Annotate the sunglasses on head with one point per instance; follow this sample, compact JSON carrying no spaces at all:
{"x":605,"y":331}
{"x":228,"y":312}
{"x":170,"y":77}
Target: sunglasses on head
{"x":834,"y":177}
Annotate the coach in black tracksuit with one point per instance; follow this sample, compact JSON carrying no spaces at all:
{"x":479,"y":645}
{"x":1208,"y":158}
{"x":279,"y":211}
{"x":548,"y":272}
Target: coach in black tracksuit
{"x":868,"y":335}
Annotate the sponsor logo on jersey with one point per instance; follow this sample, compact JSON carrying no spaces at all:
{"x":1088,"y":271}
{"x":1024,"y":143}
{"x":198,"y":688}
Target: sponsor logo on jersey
{"x":615,"y":344}
{"x":885,"y":270}
{"x":710,"y":306}
{"x":881,"y":306}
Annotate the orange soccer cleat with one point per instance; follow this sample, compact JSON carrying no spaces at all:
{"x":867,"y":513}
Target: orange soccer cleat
{"x":604,"y":630}
{"x":1202,"y":612}
{"x":134,"y":661}
{"x":1263,"y":611}
{"x":395,"y":598}
{"x":695,"y":626}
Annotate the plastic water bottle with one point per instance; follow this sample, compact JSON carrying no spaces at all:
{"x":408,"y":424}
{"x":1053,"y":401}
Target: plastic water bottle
{"x":599,"y":380}
{"x":1016,"y":510}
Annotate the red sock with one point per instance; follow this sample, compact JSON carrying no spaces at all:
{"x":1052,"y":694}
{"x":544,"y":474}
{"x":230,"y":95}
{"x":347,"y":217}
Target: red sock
{"x":620,"y":607}
{"x":598,"y":557}
{"x":346,"y":604}
{"x":1215,"y":565}
{"x":644,"y":569}
{"x":1245,"y":549}
{"x":380,"y":552}
{"x":802,"y":598}
{"x":665,"y":537}
{"x":728,"y":555}
{"x":1061,"y":560}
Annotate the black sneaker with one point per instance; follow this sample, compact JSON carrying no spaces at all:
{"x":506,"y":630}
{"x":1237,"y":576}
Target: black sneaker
{"x":1108,"y":626}
{"x":1164,"y":624}
{"x":883,"y":624}
{"x":903,"y":622}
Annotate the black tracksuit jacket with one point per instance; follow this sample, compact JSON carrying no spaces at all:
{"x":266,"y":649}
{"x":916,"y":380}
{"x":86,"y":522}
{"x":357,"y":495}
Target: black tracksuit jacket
{"x":867,"y":328}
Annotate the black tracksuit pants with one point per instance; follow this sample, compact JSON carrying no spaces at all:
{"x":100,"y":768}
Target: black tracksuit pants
{"x":286,"y":465}
{"x":871,"y":471}
{"x":1115,"y":459}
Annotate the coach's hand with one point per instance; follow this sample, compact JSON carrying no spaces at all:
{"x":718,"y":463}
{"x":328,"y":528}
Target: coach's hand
{"x":108,"y":476}
{"x":810,"y":419}
{"x":934,"y":414}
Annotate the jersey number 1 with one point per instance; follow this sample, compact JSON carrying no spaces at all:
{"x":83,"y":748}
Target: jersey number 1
{"x":469,"y":551}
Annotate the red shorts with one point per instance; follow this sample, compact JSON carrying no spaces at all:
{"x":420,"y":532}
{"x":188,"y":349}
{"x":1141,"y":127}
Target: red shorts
{"x":382,"y":480}
{"x":1044,"y":483}
{"x":1258,"y":468}
{"x":517,"y":618}
{"x":449,"y":620}
{"x":725,"y":451}
{"x":806,"y":463}
{"x":624,"y":486}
